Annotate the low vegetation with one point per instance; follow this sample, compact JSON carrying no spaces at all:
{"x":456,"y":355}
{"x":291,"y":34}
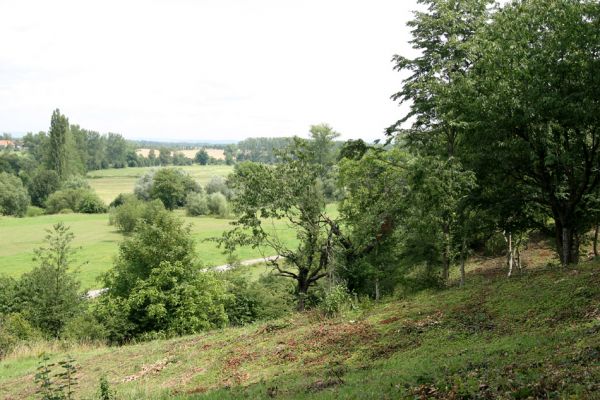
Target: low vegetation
{"x":495,"y":338}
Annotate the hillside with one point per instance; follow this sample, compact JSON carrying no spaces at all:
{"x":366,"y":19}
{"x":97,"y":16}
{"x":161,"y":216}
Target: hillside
{"x":535,"y":335}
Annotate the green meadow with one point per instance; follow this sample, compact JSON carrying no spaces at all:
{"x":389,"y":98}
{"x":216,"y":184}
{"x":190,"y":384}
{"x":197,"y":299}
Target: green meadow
{"x":97,"y":242}
{"x":108,"y":183}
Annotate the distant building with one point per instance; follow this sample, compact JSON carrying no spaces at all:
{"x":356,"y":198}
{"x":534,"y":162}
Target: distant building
{"x":6,"y":143}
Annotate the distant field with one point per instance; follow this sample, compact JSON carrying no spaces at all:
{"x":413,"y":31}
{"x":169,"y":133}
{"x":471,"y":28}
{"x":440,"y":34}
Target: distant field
{"x":219,"y":154}
{"x":98,"y":242}
{"x":108,"y":183}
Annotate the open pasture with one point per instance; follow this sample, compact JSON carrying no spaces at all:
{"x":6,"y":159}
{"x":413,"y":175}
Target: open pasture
{"x":97,"y":242}
{"x":108,"y":183}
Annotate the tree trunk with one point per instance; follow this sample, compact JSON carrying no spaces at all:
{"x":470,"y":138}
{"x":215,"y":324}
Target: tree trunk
{"x":596,"y":239}
{"x":463,"y":257}
{"x":377,"y":296}
{"x":567,"y":243}
{"x":302,"y":289}
{"x":446,"y":254}
{"x":510,"y":254}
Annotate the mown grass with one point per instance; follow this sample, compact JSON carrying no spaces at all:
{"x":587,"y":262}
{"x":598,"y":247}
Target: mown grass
{"x":108,"y":183}
{"x":535,"y":335}
{"x":97,"y":242}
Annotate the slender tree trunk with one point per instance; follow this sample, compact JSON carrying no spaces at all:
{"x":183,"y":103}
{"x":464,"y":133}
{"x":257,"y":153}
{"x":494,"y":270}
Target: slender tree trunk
{"x":377,"y":295}
{"x":510,"y":254}
{"x":566,"y":248}
{"x":596,"y":239}
{"x":463,"y":257}
{"x":446,"y":254}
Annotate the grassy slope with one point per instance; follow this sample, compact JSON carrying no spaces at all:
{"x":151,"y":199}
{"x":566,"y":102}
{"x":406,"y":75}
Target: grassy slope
{"x":535,"y":334}
{"x":108,"y":183}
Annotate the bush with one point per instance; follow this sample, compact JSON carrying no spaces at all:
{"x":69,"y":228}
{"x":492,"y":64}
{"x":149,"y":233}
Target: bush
{"x":90,"y":203}
{"x":50,"y":292}
{"x":77,"y":200}
{"x":218,"y":185}
{"x":196,"y":204}
{"x":121,"y":199}
{"x":76,"y":182}
{"x":85,"y":328}
{"x":14,"y":328}
{"x":14,"y":199}
{"x":217,"y":205}
{"x":128,"y":215}
{"x":42,"y":185}
{"x":171,"y":186}
{"x":336,"y":301}
{"x":33,"y":211}
{"x":143,"y":186}
{"x":265,"y":299}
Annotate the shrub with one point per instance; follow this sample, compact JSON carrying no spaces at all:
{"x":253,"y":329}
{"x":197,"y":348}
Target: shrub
{"x":85,"y":328}
{"x":76,"y":182}
{"x":171,"y":186}
{"x":196,"y":204}
{"x":90,"y":203}
{"x":128,"y":215}
{"x":217,"y":205}
{"x":265,"y":299}
{"x":50,"y":292}
{"x":14,"y":199}
{"x":218,"y":185}
{"x":77,"y":200}
{"x":14,"y":328}
{"x":121,"y":199}
{"x":143,"y":186}
{"x":33,"y":211}
{"x":336,"y":301}
{"x":42,"y":185}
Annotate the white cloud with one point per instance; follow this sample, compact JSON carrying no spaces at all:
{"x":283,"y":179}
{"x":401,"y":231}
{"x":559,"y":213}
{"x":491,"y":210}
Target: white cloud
{"x":202,"y":69}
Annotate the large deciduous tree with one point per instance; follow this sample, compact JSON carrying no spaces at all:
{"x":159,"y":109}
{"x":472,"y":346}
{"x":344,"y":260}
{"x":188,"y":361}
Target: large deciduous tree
{"x":289,"y":192}
{"x":534,"y":107}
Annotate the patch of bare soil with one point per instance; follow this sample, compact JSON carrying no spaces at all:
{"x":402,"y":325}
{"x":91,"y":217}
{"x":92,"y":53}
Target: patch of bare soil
{"x":151,"y":369}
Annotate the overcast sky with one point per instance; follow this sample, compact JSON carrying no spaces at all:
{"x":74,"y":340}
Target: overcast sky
{"x":203,"y":69}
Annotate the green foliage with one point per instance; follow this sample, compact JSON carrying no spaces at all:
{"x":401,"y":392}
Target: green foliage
{"x":14,"y":199}
{"x":143,"y":186}
{"x":201,"y":157}
{"x":85,"y":328}
{"x":43,"y":183}
{"x":14,"y":329}
{"x":171,"y":186}
{"x":134,"y":212}
{"x":56,"y":385}
{"x":104,"y":390}
{"x":77,"y":200}
{"x":218,"y":185}
{"x":161,"y":238}
{"x":217,"y":204}
{"x":33,"y":211}
{"x":8,"y":295}
{"x":156,"y":287}
{"x":58,"y":157}
{"x":251,"y":301}
{"x":76,"y":182}
{"x":290,"y":191}
{"x":196,"y":204}
{"x":50,"y":292}
{"x":336,"y":301}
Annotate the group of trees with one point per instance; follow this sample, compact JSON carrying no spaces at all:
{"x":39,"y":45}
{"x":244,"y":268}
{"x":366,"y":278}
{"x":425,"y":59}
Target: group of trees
{"x":49,"y":175}
{"x":502,"y":139}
